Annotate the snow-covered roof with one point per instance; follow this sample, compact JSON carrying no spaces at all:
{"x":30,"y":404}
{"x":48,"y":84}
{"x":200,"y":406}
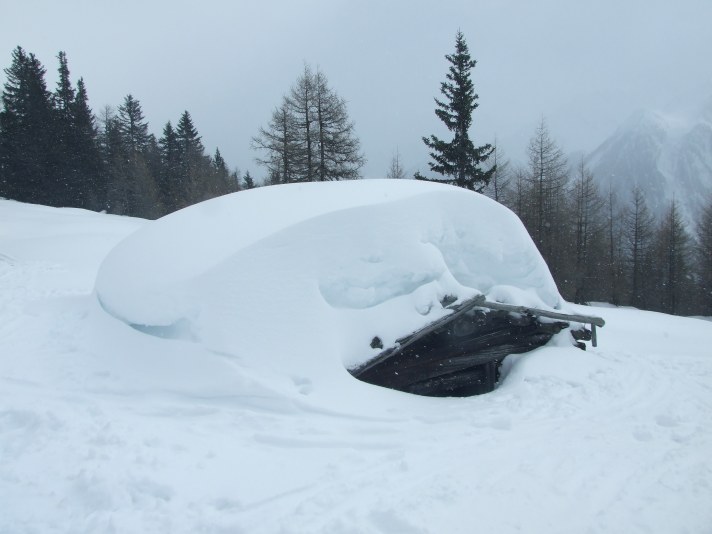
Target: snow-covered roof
{"x":275,"y":271}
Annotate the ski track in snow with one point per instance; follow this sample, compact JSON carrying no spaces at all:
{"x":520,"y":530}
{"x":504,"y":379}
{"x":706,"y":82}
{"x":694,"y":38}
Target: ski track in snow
{"x":105,"y":429}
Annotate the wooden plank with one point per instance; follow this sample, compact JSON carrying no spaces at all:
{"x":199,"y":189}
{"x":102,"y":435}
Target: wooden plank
{"x":587,"y":319}
{"x":459,"y":309}
{"x":479,"y":301}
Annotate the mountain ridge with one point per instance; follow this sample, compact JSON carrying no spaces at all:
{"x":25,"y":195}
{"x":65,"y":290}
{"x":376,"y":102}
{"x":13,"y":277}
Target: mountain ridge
{"x":668,"y":156}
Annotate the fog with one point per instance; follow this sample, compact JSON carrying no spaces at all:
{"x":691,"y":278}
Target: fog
{"x":582,"y":66}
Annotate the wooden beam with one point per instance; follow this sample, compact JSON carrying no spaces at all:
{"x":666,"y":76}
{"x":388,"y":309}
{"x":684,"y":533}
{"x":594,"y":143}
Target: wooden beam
{"x":458,"y":309}
{"x":479,"y":301}
{"x":587,"y":319}
{"x":594,"y":338}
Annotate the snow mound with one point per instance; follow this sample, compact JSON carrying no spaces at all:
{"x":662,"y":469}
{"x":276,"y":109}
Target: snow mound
{"x":301,"y":277}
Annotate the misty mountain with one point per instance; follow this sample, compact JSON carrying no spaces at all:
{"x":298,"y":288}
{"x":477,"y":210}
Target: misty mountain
{"x":666,"y":156}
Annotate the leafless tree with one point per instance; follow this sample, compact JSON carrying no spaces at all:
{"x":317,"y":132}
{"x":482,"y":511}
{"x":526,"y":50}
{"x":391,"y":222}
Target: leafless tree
{"x":396,"y":169}
{"x":704,"y":258}
{"x":588,"y":236}
{"x":310,"y":137}
{"x":638,"y":236}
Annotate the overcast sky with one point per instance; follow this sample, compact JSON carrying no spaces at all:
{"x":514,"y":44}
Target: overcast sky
{"x":583,"y":65}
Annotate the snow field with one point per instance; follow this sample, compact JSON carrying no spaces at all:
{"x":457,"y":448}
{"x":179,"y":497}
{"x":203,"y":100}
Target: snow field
{"x":106,"y":429}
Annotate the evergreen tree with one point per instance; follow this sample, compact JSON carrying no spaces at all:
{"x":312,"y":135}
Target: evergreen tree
{"x":170,"y":187}
{"x":145,"y":198}
{"x":219,"y":163}
{"x":151,"y":199}
{"x":115,"y":163}
{"x":248,"y":182}
{"x":133,"y":126}
{"x":91,"y":187}
{"x":64,"y":94}
{"x":235,"y":180}
{"x":48,"y":141}
{"x":459,"y":159}
{"x":139,"y":184}
{"x":222,"y":181}
{"x":64,"y":157}
{"x":193,"y":164}
{"x":76,"y":157}
{"x":26,"y":133}
{"x":188,"y":138}
{"x":190,"y":146}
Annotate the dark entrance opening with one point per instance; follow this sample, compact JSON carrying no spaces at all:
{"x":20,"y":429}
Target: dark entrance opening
{"x":460,"y":354}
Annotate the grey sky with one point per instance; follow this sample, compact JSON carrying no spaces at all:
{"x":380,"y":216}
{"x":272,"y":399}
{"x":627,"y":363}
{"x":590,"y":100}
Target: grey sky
{"x":584,"y":65}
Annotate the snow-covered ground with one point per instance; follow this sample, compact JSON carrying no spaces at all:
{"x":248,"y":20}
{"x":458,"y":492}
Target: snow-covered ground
{"x":179,"y":426}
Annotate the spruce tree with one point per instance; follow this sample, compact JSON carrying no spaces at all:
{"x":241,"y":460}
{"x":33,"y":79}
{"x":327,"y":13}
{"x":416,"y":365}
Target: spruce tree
{"x":235,"y":180}
{"x":248,"y":182}
{"x":151,"y":196}
{"x":139,"y":184}
{"x":215,"y":176}
{"x":115,"y":163}
{"x":64,"y":156}
{"x":170,"y":175}
{"x":194,"y":165}
{"x":219,"y":163}
{"x":84,"y":140}
{"x":133,"y":126}
{"x":222,"y":185}
{"x":189,"y":142}
{"x":64,"y":94}
{"x":459,"y":159}
{"x":26,"y":133}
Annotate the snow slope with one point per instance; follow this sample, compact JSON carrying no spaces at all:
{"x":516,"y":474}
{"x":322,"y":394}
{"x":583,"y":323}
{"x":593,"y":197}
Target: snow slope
{"x":667,"y":156}
{"x":106,"y":429}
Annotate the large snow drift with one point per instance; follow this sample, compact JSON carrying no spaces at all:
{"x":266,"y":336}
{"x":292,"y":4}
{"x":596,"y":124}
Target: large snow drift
{"x":302,"y":277}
